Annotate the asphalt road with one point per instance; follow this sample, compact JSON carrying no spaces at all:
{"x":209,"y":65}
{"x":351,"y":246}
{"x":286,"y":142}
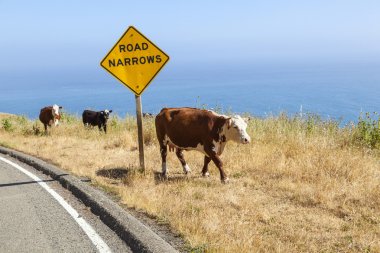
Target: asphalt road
{"x":32,"y":220}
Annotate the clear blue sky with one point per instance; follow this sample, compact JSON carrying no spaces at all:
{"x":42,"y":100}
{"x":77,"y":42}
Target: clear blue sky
{"x":72,"y":34}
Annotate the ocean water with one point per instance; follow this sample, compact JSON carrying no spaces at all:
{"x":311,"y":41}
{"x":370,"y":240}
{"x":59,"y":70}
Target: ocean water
{"x":334,"y":91}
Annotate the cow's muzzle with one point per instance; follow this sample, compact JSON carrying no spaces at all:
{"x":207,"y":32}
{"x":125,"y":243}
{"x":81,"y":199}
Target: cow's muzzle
{"x":246,"y":140}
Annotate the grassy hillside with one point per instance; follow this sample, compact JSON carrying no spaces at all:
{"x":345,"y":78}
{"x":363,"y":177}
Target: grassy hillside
{"x":302,"y":185}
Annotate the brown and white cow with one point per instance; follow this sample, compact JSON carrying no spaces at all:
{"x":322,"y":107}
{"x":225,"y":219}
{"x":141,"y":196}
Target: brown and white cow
{"x":50,"y":115}
{"x":202,"y":130}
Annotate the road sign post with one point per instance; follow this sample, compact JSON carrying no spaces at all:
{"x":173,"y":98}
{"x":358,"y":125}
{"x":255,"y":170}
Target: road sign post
{"x":140,"y":131}
{"x":134,"y":60}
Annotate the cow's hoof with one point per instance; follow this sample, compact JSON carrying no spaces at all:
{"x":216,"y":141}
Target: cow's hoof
{"x":164,"y":176}
{"x":205,"y":174}
{"x":225,"y":180}
{"x":186,"y":169}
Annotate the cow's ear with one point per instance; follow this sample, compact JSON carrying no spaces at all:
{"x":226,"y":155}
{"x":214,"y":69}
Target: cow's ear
{"x":229,"y":122}
{"x":246,"y":119}
{"x":110,"y":111}
{"x":102,"y":112}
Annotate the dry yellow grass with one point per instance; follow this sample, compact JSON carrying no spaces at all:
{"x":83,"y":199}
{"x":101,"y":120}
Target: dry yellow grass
{"x":299,"y":187}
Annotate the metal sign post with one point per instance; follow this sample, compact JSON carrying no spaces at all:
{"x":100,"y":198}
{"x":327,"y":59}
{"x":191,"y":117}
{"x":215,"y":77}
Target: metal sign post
{"x":134,"y":60}
{"x":140,"y":131}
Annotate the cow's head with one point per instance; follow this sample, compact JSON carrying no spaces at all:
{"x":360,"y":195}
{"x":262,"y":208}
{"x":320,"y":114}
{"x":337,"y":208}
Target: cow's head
{"x":236,"y":130}
{"x":105,"y":114}
{"x":55,"y":110}
{"x":56,"y":115}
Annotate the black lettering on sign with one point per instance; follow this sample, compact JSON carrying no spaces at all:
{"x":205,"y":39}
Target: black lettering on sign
{"x":137,"y":47}
{"x":129,"y":47}
{"x":119,"y":62}
{"x":111,"y":63}
{"x":150,"y":59}
{"x":133,"y":47}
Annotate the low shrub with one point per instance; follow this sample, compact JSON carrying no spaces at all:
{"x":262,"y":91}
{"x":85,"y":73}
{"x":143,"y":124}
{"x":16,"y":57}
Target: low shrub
{"x":367,"y":131}
{"x":7,"y":125}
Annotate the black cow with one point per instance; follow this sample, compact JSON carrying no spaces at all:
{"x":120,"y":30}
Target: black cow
{"x":148,"y":115}
{"x":96,"y":118}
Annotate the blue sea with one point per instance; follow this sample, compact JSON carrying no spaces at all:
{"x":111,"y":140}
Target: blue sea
{"x":338,"y":91}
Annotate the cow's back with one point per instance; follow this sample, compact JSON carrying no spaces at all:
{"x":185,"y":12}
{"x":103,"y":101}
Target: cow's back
{"x":89,"y":117}
{"x":187,"y":127}
{"x":46,"y":115}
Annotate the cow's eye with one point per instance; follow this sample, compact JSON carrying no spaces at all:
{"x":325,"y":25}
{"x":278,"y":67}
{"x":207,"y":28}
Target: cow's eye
{"x":235,"y":127}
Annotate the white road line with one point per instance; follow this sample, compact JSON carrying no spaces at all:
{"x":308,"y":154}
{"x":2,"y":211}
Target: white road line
{"x":94,"y":237}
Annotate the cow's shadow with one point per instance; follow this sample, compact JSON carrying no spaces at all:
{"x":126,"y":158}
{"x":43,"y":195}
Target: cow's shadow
{"x":171,"y":178}
{"x":114,"y":173}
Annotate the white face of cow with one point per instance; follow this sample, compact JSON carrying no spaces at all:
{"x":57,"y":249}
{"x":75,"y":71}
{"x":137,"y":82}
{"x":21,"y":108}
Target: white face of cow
{"x":56,"y":115}
{"x":106,"y":113}
{"x":55,"y":110}
{"x":237,"y":130}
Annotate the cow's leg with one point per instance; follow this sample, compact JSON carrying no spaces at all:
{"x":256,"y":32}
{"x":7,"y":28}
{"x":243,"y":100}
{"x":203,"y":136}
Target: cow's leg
{"x":100,"y":127}
{"x":164,"y":152}
{"x":218,"y":162}
{"x":205,"y":166}
{"x":105,"y":128}
{"x":181,"y":158}
{"x":45,"y":126}
{"x":163,"y":146}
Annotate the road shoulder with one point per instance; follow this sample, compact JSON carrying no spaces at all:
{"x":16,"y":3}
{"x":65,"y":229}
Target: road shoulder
{"x":137,"y":235}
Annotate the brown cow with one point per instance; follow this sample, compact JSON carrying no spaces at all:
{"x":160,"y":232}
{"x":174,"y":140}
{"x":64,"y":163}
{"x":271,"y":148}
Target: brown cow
{"x":202,"y":130}
{"x":50,"y":115}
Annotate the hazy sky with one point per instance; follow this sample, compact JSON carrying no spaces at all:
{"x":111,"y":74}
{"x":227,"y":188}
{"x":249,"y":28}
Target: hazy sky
{"x":54,"y":34}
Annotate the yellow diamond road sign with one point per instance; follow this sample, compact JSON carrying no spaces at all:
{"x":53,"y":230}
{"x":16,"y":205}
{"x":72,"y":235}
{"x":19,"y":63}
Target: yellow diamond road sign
{"x":134,"y":60}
